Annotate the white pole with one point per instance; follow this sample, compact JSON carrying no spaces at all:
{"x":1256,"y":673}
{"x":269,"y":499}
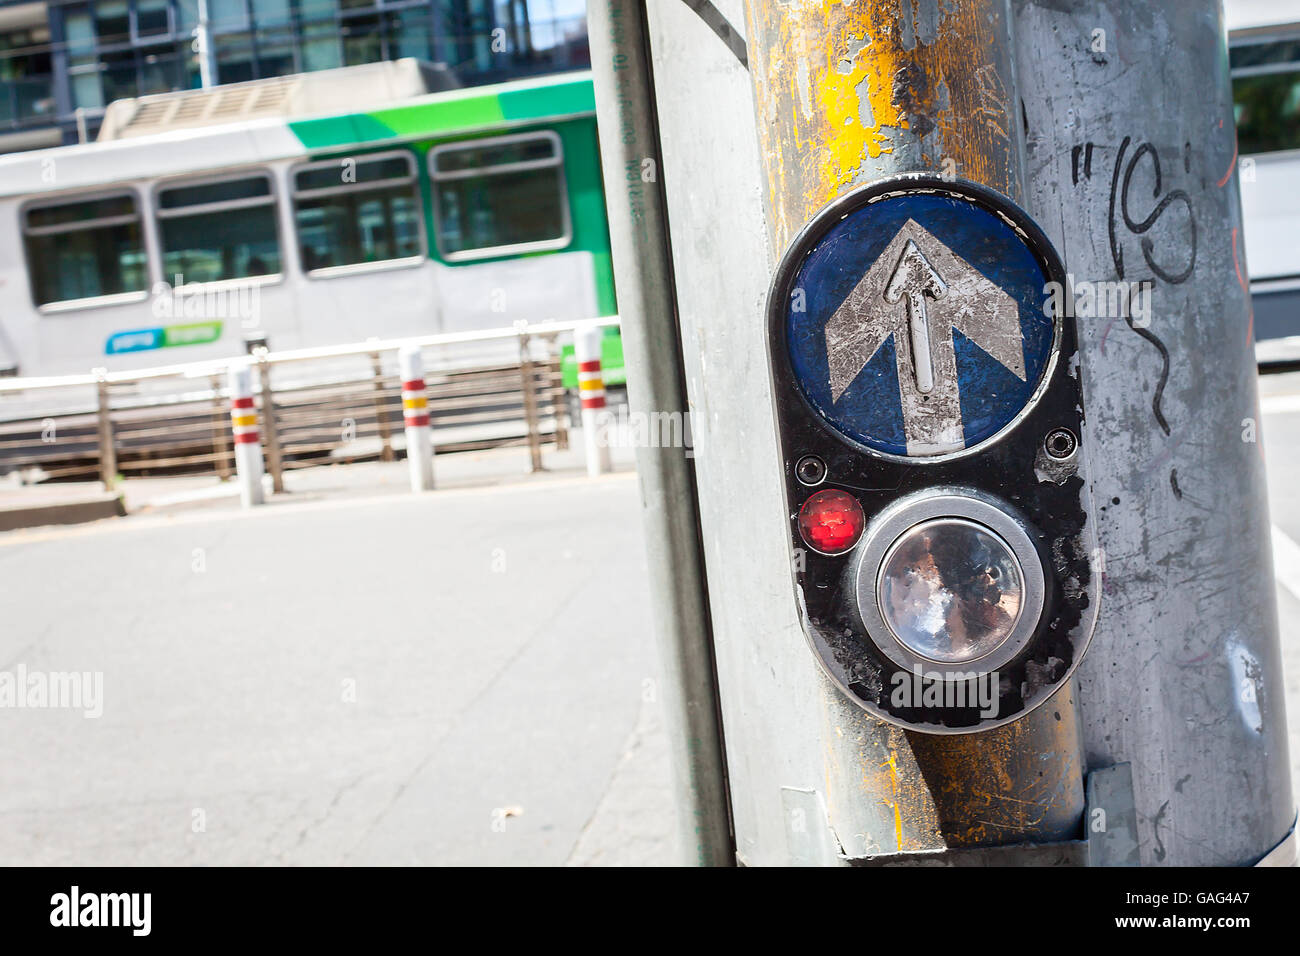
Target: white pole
{"x":202,"y":46}
{"x":415,"y":411}
{"x":248,"y":442}
{"x":591,"y":390}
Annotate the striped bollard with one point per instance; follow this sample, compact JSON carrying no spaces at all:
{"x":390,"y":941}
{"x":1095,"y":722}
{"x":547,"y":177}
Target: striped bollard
{"x":248,"y":441}
{"x":591,"y":390}
{"x":415,"y":413}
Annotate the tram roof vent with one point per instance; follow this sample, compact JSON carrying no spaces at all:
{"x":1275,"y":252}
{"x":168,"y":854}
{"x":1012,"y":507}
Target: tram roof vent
{"x":348,"y":88}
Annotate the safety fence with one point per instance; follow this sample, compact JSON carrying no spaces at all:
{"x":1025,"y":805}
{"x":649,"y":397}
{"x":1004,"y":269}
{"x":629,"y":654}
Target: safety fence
{"x":487,"y":389}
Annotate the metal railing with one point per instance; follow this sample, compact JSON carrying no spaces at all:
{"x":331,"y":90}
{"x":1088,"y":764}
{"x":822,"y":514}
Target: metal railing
{"x":500,"y":387}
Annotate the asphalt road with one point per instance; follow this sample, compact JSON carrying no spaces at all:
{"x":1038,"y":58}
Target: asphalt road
{"x":461,"y":677}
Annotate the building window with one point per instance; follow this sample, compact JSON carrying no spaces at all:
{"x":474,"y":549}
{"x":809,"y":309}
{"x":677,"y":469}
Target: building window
{"x":112,"y":22}
{"x":80,"y":29}
{"x":270,"y":13}
{"x":152,"y":18}
{"x":26,"y":86}
{"x":228,"y":15}
{"x":219,"y":229}
{"x":363,"y":41}
{"x":320,"y":47}
{"x":408,"y":35}
{"x":234,"y":56}
{"x":87,"y":92}
{"x":84,"y":249}
{"x":160,"y":73}
{"x":275,"y":50}
{"x":1266,"y":91}
{"x":350,"y":212}
{"x":500,"y":196}
{"x":119,"y":75}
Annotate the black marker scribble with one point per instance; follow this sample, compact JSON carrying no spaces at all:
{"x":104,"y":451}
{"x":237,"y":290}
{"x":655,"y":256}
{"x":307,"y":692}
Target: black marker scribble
{"x":1086,"y":152}
{"x":1164,"y":372}
{"x":1116,"y":254}
{"x":1140,"y":228}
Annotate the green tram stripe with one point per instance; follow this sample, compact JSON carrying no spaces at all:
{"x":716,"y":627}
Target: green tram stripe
{"x":448,"y":114}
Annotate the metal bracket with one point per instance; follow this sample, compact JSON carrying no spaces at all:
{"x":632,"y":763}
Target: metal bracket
{"x":1110,"y":821}
{"x":1066,"y":853}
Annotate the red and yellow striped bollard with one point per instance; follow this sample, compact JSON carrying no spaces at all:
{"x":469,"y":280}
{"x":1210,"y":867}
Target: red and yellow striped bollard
{"x":415,"y":414}
{"x":248,"y":441}
{"x":591,"y":392}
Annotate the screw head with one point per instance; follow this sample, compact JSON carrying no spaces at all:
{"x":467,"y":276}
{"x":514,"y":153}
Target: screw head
{"x":810,"y":470}
{"x":1060,"y":443}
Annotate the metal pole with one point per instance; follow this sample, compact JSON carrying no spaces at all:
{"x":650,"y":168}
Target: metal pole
{"x":220,"y":447}
{"x":1183,"y":679}
{"x":528,"y":387}
{"x":273,"y":456}
{"x":203,"y":47}
{"x":381,"y":412}
{"x":107,"y":448}
{"x":632,"y":161}
{"x":834,"y":95}
{"x":942,"y":91}
{"x":559,"y":407}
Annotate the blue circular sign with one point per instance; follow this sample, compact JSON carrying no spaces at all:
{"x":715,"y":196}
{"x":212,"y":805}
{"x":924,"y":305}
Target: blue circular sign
{"x":918,"y":315}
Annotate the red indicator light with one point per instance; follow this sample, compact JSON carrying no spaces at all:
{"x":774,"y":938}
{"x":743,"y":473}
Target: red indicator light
{"x":831,"y":521}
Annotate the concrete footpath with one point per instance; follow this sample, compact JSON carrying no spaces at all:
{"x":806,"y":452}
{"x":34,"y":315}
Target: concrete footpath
{"x":34,"y":506}
{"x":63,"y":503}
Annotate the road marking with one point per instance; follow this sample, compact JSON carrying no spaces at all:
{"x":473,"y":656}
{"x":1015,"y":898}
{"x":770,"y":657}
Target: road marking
{"x":1286,"y":561}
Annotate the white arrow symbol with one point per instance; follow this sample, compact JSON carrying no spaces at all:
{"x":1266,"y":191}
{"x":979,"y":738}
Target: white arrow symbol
{"x":913,"y":277}
{"x":913,"y":266}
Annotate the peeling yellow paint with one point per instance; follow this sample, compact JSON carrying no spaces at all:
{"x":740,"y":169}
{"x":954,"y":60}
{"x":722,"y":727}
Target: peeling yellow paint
{"x":840,"y":86}
{"x":898,"y":814}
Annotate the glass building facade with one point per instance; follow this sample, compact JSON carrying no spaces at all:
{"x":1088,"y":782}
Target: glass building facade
{"x":63,"y":61}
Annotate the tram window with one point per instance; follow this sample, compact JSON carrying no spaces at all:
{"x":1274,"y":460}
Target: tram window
{"x":500,"y":196}
{"x":1266,"y":94}
{"x":356,"y":211}
{"x":222,"y":229}
{"x":84,"y":249}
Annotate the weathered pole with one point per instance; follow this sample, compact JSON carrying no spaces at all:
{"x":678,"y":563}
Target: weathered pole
{"x":768,"y":111}
{"x":631,"y":160}
{"x":1132,"y":160}
{"x":846,"y":94}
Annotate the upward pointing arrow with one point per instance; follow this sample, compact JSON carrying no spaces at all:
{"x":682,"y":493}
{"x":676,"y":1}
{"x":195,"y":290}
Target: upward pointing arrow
{"x":913,"y":277}
{"x":918,"y":267}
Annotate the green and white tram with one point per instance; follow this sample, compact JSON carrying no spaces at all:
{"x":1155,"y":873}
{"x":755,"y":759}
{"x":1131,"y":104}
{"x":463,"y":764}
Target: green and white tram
{"x":203,"y":225}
